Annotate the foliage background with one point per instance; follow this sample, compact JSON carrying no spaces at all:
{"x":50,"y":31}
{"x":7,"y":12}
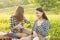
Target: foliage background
{"x":51,"y":7}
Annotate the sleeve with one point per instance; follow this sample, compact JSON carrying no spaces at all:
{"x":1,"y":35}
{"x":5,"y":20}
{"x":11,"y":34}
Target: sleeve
{"x":26,"y":21}
{"x":43,"y":30}
{"x":12,"y":23}
{"x":34,"y":27}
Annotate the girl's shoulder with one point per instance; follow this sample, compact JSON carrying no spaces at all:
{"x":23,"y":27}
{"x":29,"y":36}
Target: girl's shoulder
{"x":12,"y":16}
{"x":35,"y":21}
{"x":47,"y":21}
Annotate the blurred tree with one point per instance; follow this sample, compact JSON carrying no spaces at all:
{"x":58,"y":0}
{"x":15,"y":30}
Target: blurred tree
{"x":32,"y":1}
{"x":25,"y":2}
{"x":46,"y":4}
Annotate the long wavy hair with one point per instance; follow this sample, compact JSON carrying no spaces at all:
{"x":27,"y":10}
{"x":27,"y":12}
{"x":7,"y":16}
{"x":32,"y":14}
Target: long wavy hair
{"x":44,"y":15}
{"x":19,"y":14}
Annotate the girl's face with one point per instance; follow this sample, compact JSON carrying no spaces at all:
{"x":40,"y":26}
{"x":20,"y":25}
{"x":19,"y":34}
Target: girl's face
{"x":39,"y":14}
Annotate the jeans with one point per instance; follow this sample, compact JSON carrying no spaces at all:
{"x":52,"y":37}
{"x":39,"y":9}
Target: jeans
{"x":13,"y":35}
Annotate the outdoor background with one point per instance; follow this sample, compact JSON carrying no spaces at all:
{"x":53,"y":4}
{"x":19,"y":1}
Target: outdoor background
{"x":51,"y":7}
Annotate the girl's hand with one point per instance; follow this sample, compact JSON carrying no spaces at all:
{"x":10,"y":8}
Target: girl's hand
{"x":18,"y":26}
{"x":34,"y":34}
{"x":15,"y":27}
{"x":41,"y":37}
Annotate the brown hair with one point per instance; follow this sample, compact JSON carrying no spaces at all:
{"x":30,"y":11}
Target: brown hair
{"x":41,"y":10}
{"x":19,"y":14}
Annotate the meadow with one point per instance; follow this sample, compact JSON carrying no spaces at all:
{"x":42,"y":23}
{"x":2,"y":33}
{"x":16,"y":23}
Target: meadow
{"x":54,"y":31}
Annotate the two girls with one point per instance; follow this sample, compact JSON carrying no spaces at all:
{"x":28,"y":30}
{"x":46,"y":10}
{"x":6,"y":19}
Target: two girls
{"x":41,"y":25}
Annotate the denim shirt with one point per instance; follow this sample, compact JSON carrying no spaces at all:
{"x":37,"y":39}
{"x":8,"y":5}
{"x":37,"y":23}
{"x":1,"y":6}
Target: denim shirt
{"x":43,"y":28}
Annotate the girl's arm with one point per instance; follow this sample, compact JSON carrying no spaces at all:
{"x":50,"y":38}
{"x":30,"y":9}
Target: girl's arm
{"x":38,"y":35}
{"x":12,"y":23}
{"x":35,"y":34}
{"x":26,"y":21}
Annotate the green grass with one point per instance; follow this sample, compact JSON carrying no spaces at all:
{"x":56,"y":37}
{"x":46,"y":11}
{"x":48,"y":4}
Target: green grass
{"x":54,"y":19}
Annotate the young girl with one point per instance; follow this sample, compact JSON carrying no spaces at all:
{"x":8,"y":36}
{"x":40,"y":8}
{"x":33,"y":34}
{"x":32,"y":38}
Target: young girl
{"x":41,"y":25}
{"x":17,"y":19}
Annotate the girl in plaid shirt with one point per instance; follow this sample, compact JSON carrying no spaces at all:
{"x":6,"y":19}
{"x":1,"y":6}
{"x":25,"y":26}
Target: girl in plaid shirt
{"x":18,"y":19}
{"x":41,"y":25}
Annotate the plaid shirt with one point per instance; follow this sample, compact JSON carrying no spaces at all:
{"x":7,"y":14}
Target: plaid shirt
{"x":13,"y":22}
{"x":43,"y":28}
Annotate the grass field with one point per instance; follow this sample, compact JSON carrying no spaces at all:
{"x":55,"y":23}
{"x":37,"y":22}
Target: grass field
{"x":54,"y":19}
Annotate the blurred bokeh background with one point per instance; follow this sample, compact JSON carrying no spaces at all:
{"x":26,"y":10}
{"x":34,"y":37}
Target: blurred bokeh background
{"x":51,"y":8}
